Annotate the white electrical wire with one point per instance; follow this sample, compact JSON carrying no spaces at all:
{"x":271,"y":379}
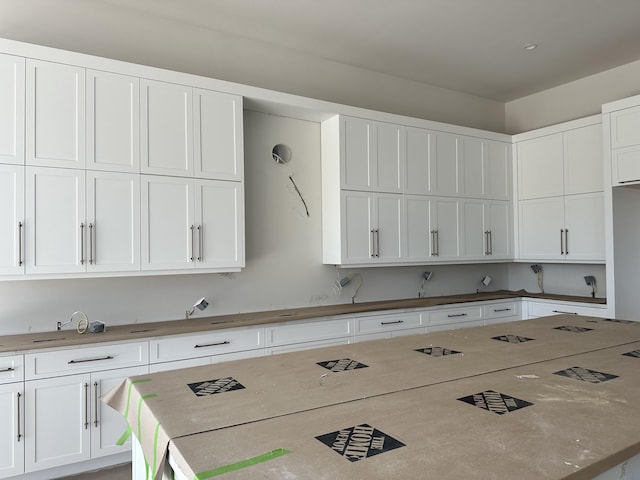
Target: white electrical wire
{"x":539,"y":274}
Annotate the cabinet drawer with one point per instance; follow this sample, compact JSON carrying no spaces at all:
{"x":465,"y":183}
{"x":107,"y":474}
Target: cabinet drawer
{"x":455,"y":315}
{"x":537,"y":309}
{"x":87,"y":359}
{"x":501,"y":310}
{"x":384,"y":323}
{"x":205,"y":344}
{"x":11,"y":369}
{"x":308,"y":332}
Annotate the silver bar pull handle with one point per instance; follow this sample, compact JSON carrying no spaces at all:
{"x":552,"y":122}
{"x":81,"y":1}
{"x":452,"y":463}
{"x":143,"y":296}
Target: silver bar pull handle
{"x":10,"y":369}
{"x":217,"y":344}
{"x":373,"y":243}
{"x":561,"y":242}
{"x":108,"y":357}
{"x":486,"y":242}
{"x":437,"y":234}
{"x":82,"y":244}
{"x":86,"y":406}
{"x":19,"y":395}
{"x":392,"y":323}
{"x":501,"y":309}
{"x":453,"y":315}
{"x":20,"y":260}
{"x":490,"y":242}
{"x":377,"y":243}
{"x":191,"y":257}
{"x":566,"y":241}
{"x":562,"y":311}
{"x":91,"y":244}
{"x":95,"y":404}
{"x":432,"y":251}
{"x":200,"y":254}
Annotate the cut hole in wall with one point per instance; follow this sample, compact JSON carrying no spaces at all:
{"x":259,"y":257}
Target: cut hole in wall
{"x":281,"y":153}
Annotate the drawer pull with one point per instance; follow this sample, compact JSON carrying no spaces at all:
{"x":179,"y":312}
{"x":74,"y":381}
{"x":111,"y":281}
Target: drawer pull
{"x":226,"y":342}
{"x":108,"y":357}
{"x":18,"y":395}
{"x":392,"y":323}
{"x":567,"y":313}
{"x":452,"y":315}
{"x":7,"y":370}
{"x":501,"y":309}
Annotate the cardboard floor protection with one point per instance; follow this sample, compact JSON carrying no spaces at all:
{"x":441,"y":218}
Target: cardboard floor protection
{"x":181,"y":403}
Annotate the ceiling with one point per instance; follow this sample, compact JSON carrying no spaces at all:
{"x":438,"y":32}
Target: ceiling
{"x":472,"y":46}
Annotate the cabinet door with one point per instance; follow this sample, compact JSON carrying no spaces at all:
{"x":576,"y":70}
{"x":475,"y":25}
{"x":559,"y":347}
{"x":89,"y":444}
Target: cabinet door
{"x":357,"y":146}
{"x":498,"y":226}
{"x":55,"y":115}
{"x":54,"y":226}
{"x":584,"y":222}
{"x":357,"y":227}
{"x":113,"y":222}
{"x":56,"y":422}
{"x":166,"y":129}
{"x":168,"y":229}
{"x":625,"y":165}
{"x":11,"y":220}
{"x":219,"y":224}
{"x":625,"y":127}
{"x":107,"y":425}
{"x":388,"y":238}
{"x":12,"y":432}
{"x":474,"y":154}
{"x":420,"y":146}
{"x":389,"y":158}
{"x":583,"y":160}
{"x":113,"y":122}
{"x":218,"y":138}
{"x":416,"y":226}
{"x":497,"y":178}
{"x":540,"y":167}
{"x":476,"y":241}
{"x":541,"y":225}
{"x":12,"y":109}
{"x":446,"y":165}
{"x":445,"y":228}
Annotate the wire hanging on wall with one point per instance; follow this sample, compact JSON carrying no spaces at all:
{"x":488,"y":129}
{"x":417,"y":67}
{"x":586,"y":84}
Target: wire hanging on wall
{"x":282,"y":154}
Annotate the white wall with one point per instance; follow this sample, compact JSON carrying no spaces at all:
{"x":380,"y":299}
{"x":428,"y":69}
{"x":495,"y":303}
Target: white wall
{"x":558,"y":278}
{"x":284,"y":256}
{"x":577,"y":99}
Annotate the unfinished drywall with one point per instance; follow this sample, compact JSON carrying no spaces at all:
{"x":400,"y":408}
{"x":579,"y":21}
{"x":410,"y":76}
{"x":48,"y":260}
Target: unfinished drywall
{"x":284,"y":256}
{"x":572,"y":100}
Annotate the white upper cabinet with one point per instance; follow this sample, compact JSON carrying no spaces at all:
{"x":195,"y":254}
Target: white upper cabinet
{"x":625,"y":127}
{"x":12,"y":98}
{"x":55,"y":115}
{"x":583,"y":161}
{"x":497,"y":171}
{"x":487,"y":230}
{"x":418,"y":237}
{"x":218,"y":135}
{"x":445,"y":168}
{"x":420,"y":150}
{"x":389,"y":158}
{"x":12,"y":220}
{"x":166,"y":133}
{"x":540,"y":167}
{"x":113,"y":122}
{"x":444,"y":229}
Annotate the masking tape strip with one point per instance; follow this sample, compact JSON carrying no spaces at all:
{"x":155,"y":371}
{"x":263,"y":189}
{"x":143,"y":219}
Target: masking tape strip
{"x":243,"y":464}
{"x":127,"y":433}
{"x":155,"y":446}
{"x":142,"y":398}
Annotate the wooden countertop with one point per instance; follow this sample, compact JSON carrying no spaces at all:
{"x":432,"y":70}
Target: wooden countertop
{"x":119,"y":333}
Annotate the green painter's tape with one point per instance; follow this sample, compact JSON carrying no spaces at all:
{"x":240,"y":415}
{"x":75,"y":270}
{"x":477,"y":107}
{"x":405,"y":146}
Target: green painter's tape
{"x":155,"y":446}
{"x":144,"y":397}
{"x":127,"y":433}
{"x":243,"y":464}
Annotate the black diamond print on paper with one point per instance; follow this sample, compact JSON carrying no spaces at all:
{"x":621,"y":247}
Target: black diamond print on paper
{"x":635,"y":353}
{"x":359,"y":442}
{"x":437,"y":351}
{"x":615,"y":320}
{"x":342,"y":365}
{"x":572,"y":328}
{"x":211,"y":387}
{"x":512,"y":338}
{"x":495,"y":402}
{"x":586,"y":375}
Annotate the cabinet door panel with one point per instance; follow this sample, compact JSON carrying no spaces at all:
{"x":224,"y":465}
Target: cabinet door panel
{"x":55,"y":228}
{"x":113,"y":221}
{"x":357,"y":149}
{"x":56,"y":422}
{"x":475,"y":225}
{"x":357,"y":236}
{"x":583,"y":161}
{"x":499,"y":227}
{"x":626,"y":165}
{"x":218,"y":135}
{"x":540,"y":167}
{"x":417,"y":228}
{"x":419,"y":146}
{"x":389,"y":157}
{"x":585,"y":227}
{"x":541,"y":222}
{"x":498,"y":168}
{"x":473,"y":167}
{"x":220,"y":224}
{"x":12,"y":98}
{"x":11,"y":447}
{"x":168,"y":230}
{"x":445,"y":168}
{"x":389,"y":219}
{"x":166,"y":129}
{"x":55,"y":115}
{"x":445,"y":221}
{"x":113,"y":122}
{"x":625,"y":127}
{"x":11,"y":215}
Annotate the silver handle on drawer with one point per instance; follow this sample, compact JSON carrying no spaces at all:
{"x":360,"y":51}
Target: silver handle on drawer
{"x":452,"y":315}
{"x":108,"y":357}
{"x":392,"y":323}
{"x":568,"y":313}
{"x":200,"y":254}
{"x":91,"y":244}
{"x":191,"y":257}
{"x":10,"y":369}
{"x":95,"y":403}
{"x":86,"y":406}
{"x":18,"y":396}
{"x":501,"y":309}
{"x":628,"y":181}
{"x":20,"y":261}
{"x":82,"y":244}
{"x":226,"y":342}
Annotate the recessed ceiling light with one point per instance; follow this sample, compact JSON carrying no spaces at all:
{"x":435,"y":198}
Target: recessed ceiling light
{"x":530,"y":46}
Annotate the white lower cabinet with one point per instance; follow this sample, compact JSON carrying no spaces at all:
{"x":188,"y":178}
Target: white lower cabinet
{"x":12,"y":437}
{"x":544,"y":309}
{"x":308,"y":334}
{"x":388,"y":325}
